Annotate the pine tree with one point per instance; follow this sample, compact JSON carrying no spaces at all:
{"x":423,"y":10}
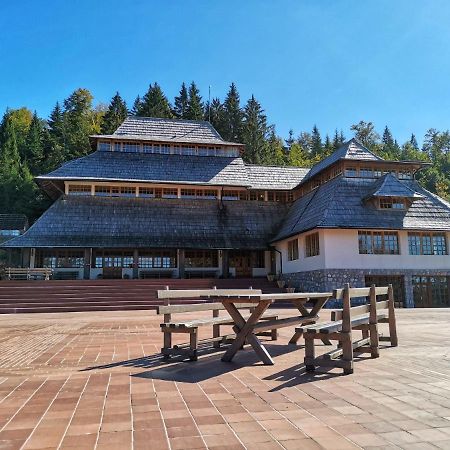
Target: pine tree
{"x":298,"y":156}
{"x":35,"y":145}
{"x":254,"y":133}
{"x":181,"y":103}
{"x":136,"y":106}
{"x":54,"y":140}
{"x":290,"y":140}
{"x":388,"y":140}
{"x":338,"y":139}
{"x":195,"y":105}
{"x":276,"y":153}
{"x":413,"y":142}
{"x":328,"y":147}
{"x":155,"y":104}
{"x":10,"y":180}
{"x":316,"y":143}
{"x":216,"y":114}
{"x":233,"y":115}
{"x":115,"y":114}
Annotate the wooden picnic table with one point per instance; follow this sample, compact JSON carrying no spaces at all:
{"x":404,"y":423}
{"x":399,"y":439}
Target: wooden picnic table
{"x":246,"y":329}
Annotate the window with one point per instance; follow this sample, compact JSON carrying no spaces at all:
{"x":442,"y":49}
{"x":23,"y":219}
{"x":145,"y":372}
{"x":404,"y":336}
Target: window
{"x":293,"y":250}
{"x":351,"y":172}
{"x":257,"y":195}
{"x":165,"y":149}
{"x":427,"y":244}
{"x":113,"y":258}
{"x":128,"y":192}
{"x":378,"y":243}
{"x":104,"y":146}
{"x":392,"y":203}
{"x":243,"y":195}
{"x":170,"y":193}
{"x":189,"y":150}
{"x":188,"y":193}
{"x":83,"y":189}
{"x":157,"y":259}
{"x":230,"y":195}
{"x":210,"y":194}
{"x":176,"y":150}
{"x":202,"y":151}
{"x":102,"y":190}
{"x":9,"y":232}
{"x":404,"y":175}
{"x":146,"y":192}
{"x":312,"y":245}
{"x":201,"y":258}
{"x":147,"y":148}
{"x":366,"y":172}
{"x":117,"y":146}
{"x":431,"y":291}
{"x":64,"y":258}
{"x":132,"y":147}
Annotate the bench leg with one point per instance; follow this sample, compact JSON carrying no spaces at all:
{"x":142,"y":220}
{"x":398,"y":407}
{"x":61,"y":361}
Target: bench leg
{"x":216,"y":334}
{"x":310,"y":354}
{"x":167,"y":343}
{"x":274,"y":334}
{"x":193,"y":342}
{"x":296,"y":337}
{"x":347,"y":353}
{"x":374,"y":341}
{"x":393,"y":330}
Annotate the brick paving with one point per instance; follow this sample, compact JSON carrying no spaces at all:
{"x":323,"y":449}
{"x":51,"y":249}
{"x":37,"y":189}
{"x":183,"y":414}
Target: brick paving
{"x":96,"y":381}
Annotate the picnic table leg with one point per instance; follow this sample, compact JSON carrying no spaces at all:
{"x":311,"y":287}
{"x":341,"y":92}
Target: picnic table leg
{"x":318,"y":304}
{"x":245,"y":332}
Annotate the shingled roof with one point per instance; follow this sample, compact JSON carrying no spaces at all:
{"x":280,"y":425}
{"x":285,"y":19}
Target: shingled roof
{"x":352,"y":150}
{"x":274,"y":177}
{"x":146,"y":167}
{"x":154,"y":223}
{"x":339,"y":204}
{"x":167,"y":130}
{"x":390,"y":186}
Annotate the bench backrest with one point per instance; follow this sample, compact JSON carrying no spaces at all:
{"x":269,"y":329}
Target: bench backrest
{"x":347,"y":311}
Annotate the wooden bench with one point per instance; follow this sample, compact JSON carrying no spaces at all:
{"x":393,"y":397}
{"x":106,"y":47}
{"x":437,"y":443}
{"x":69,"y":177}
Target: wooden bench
{"x":364,"y":318}
{"x":16,"y":273}
{"x":191,"y":326}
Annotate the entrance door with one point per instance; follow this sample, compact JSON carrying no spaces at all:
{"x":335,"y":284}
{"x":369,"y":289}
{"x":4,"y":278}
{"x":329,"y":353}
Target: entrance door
{"x":431,"y":292}
{"x":241,"y":261}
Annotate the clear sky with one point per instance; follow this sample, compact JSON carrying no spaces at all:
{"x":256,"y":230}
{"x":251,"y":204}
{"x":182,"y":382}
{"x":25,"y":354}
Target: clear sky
{"x":325,"y":62}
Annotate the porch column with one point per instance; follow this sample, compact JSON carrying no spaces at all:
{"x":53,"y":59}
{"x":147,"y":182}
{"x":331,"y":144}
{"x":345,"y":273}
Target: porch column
{"x":273,"y":261}
{"x":225,"y":264}
{"x":87,"y":263}
{"x":9,"y":259}
{"x":136,"y":264}
{"x":181,"y":263}
{"x":32,"y":258}
{"x":26,"y":257}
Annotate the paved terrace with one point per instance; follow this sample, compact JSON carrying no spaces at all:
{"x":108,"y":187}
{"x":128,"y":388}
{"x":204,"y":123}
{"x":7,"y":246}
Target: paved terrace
{"x":95,"y":380}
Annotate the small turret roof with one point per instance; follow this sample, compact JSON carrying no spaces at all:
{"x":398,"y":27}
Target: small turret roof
{"x":390,"y":186}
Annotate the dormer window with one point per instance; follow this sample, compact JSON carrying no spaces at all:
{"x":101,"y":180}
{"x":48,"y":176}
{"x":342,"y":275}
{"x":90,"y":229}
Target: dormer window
{"x":391,"y":203}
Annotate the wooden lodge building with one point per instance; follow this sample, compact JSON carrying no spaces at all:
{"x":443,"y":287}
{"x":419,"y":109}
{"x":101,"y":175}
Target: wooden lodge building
{"x":171,"y":198}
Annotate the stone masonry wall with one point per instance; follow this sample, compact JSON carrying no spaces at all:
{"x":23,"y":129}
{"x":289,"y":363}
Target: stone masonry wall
{"x":329,"y":279}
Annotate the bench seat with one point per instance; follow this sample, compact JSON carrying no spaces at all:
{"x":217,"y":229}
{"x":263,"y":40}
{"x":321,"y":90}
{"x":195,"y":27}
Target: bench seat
{"x":208,"y":321}
{"x":336,"y":326}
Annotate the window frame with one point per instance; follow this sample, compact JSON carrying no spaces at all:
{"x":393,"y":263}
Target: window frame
{"x":312,"y":245}
{"x":416,"y":241}
{"x":293,"y":250}
{"x":379,"y":241}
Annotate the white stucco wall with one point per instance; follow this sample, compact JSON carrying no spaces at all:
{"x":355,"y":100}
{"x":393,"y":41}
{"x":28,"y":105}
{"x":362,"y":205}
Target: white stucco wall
{"x":339,"y":250}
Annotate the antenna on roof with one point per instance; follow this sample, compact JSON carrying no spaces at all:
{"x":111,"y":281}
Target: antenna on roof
{"x":209,"y":103}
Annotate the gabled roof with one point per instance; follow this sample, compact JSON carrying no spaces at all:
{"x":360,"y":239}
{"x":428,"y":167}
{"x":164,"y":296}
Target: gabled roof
{"x":154,"y":223}
{"x":275,"y":177}
{"x":145,"y":167}
{"x":351,"y":150}
{"x":13,"y":222}
{"x":167,"y":130}
{"x":390,"y":186}
{"x":339,"y":203}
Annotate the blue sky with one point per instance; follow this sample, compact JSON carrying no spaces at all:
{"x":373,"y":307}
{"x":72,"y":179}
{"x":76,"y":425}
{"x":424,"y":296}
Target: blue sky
{"x":325,"y":62}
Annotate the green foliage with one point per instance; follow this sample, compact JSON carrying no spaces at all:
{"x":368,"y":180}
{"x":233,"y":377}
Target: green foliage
{"x":154,"y":104}
{"x":255,"y":133}
{"x":195,"y":105}
{"x":30,"y":146}
{"x":115,"y":114}
{"x":181,"y":103}
{"x":233,"y":116}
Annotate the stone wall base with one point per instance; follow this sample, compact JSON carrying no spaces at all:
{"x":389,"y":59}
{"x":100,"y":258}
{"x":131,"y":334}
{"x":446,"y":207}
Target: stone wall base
{"x":329,"y":279}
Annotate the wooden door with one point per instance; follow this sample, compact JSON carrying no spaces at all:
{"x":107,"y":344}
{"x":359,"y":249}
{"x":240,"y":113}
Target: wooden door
{"x":241,"y":261}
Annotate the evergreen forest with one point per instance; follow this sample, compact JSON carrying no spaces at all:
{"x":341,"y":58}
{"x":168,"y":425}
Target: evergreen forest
{"x":31,"y":145}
